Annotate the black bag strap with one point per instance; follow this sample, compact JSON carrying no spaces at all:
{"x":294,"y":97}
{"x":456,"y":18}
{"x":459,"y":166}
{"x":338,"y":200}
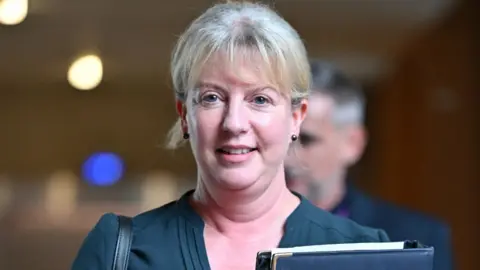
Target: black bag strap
{"x":124,"y":243}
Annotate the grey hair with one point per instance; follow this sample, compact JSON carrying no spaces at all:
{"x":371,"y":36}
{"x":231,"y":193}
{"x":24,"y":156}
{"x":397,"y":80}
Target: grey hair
{"x":239,"y":29}
{"x":347,"y":95}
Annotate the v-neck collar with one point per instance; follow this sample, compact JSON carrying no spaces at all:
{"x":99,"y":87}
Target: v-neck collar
{"x":191,"y":231}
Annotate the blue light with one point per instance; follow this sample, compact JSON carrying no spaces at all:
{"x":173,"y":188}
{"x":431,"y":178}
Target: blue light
{"x":103,"y":169}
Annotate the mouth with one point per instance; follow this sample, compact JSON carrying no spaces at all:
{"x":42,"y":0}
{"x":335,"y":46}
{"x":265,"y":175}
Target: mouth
{"x":235,"y":151}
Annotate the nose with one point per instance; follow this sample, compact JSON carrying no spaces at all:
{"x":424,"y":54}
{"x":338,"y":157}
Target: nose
{"x":236,"y":117}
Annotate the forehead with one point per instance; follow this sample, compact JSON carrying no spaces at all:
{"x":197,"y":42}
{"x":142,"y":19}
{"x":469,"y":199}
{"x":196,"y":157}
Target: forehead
{"x":242,"y":70}
{"x":242,"y":66}
{"x":319,"y":105}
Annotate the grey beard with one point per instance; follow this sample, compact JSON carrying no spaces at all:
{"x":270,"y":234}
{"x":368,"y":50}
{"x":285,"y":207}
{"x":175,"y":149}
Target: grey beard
{"x":315,"y":191}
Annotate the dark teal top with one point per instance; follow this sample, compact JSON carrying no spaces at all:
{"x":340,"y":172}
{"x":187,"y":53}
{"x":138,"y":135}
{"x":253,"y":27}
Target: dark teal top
{"x":171,"y":236}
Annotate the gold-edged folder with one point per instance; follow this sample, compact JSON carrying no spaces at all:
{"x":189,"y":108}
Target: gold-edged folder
{"x":405,"y":255}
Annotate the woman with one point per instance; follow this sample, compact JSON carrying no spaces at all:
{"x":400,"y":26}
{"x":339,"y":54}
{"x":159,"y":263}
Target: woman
{"x":241,"y":77}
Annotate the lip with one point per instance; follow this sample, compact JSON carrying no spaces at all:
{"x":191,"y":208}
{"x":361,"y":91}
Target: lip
{"x":236,"y":146}
{"x":231,"y":159}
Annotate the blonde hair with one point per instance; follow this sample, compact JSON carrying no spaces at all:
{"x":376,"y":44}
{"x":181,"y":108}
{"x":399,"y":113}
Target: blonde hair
{"x":239,"y":27}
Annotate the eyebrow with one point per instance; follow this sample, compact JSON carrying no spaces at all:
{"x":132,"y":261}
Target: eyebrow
{"x":250,"y":88}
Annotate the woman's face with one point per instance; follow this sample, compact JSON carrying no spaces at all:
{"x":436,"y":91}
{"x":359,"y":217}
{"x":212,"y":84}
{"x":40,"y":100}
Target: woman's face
{"x":240,"y":124}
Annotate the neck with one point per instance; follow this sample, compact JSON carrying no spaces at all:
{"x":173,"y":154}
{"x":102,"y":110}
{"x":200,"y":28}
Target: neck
{"x":328,"y":194}
{"x":237,"y":213}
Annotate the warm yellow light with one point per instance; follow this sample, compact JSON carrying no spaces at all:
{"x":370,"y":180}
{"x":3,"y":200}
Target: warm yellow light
{"x":86,"y":72}
{"x":13,"y":11}
{"x":157,"y":189}
{"x":61,"y":195}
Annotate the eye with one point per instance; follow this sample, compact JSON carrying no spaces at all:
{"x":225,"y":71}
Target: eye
{"x":210,"y":98}
{"x":260,"y":100}
{"x":307,"y":139}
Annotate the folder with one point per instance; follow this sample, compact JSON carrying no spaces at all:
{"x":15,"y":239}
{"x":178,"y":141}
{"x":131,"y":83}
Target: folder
{"x":404,"y":255}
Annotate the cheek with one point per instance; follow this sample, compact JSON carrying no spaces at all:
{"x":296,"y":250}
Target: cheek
{"x":204,"y":125}
{"x":325,"y":160}
{"x":271,"y":128}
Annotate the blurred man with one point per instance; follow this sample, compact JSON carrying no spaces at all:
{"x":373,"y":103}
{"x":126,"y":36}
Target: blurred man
{"x":332,"y":138}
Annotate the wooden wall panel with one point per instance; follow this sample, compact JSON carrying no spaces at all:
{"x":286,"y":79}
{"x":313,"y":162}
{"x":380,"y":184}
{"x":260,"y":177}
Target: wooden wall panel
{"x":425,"y":131}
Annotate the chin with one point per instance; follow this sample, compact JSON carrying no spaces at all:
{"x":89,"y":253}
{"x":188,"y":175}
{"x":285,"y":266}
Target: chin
{"x":236,"y":179}
{"x":233,"y":176}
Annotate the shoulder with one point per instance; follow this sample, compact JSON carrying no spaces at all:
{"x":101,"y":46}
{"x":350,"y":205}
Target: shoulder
{"x":97,"y":249}
{"x":335,"y":229}
{"x":401,"y":222}
{"x":346,"y":230}
{"x":161,"y":216}
{"x":405,"y":216}
{"x":404,"y":223}
{"x":93,"y":253}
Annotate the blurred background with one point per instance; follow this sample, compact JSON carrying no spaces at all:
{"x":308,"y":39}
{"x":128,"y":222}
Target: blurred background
{"x":85,"y":104}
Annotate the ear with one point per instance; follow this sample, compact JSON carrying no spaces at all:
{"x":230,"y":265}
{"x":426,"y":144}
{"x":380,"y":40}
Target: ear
{"x":182,"y":113}
{"x":355,"y":141}
{"x":299,"y":112}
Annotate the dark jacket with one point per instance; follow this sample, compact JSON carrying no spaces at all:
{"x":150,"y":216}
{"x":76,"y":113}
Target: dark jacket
{"x":401,"y":224}
{"x":171,"y":237}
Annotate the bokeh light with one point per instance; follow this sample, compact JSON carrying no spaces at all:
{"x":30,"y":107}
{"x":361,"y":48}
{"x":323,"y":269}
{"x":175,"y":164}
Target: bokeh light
{"x":86,"y":72}
{"x":61,"y":195}
{"x":13,"y":12}
{"x":103,"y":169}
